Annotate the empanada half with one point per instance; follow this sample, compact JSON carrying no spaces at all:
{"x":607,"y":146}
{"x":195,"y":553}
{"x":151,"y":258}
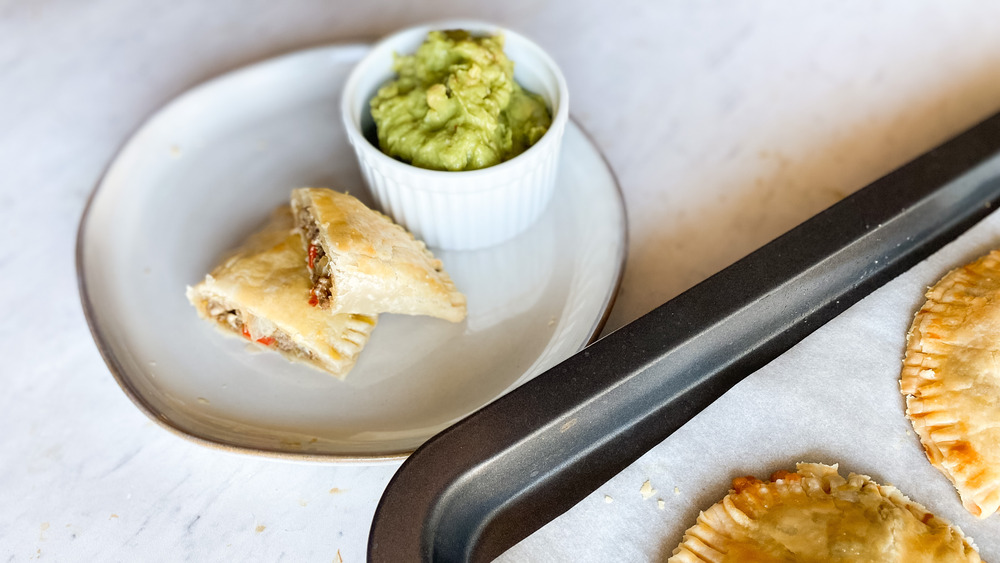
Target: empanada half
{"x":362,"y":262}
{"x":951,"y":381}
{"x":815,"y":515}
{"x":261,"y":293}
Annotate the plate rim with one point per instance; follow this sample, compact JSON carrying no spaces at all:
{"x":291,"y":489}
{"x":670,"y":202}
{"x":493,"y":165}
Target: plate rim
{"x":115,"y":367}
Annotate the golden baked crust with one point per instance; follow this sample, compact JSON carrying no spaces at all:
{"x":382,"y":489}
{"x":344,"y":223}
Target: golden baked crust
{"x":815,"y":515}
{"x":376,"y":266}
{"x":951,"y":381}
{"x":261,"y":292}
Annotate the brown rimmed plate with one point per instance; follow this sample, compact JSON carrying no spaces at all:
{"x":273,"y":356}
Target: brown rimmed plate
{"x":205,"y":171}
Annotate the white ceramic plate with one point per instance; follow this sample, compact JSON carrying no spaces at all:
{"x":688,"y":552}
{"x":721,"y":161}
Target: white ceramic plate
{"x":206,"y":170}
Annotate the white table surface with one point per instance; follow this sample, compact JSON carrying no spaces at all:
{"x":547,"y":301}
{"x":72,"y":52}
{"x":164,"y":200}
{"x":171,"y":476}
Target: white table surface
{"x":727,"y":123}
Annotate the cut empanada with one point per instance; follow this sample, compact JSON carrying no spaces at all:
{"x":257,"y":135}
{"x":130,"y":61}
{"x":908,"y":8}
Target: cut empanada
{"x":951,"y":381}
{"x":814,"y":515}
{"x":262,"y":293}
{"x":362,"y":262}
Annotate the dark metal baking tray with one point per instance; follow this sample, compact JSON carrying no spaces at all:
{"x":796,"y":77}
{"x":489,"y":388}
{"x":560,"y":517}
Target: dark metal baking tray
{"x":501,"y":473}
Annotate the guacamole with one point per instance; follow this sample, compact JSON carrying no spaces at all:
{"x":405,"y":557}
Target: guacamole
{"x":456,"y":106}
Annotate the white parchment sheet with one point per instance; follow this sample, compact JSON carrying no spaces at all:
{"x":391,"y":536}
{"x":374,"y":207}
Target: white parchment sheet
{"x":833,"y":398}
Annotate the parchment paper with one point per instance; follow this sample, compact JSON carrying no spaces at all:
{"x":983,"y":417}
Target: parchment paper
{"x":833,"y":398}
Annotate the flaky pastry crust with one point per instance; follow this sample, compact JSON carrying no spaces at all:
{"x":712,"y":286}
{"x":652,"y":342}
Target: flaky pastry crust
{"x":376,"y":266}
{"x":814,"y":515}
{"x":261,"y":292}
{"x":951,"y":381}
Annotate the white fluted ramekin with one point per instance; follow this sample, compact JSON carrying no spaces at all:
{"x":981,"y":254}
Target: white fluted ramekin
{"x":467,"y":209}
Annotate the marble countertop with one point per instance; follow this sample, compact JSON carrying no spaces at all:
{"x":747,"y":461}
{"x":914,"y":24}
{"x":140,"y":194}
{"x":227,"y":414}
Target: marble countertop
{"x":727,"y":123}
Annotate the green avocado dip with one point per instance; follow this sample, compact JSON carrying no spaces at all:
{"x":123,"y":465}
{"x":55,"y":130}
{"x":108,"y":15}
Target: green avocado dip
{"x":456,"y":106}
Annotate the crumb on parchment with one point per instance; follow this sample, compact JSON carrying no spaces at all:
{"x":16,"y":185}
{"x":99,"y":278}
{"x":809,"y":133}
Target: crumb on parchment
{"x":647,"y":490}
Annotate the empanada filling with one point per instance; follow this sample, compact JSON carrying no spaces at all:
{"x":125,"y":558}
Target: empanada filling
{"x":320,"y":269}
{"x":233,"y":319}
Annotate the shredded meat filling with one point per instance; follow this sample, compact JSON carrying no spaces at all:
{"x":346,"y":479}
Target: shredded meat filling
{"x":224,"y":316}
{"x":285,"y":344}
{"x":317,"y":260}
{"x":278,"y":339}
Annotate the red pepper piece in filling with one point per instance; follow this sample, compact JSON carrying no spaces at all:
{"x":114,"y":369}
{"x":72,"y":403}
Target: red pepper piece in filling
{"x":313,"y":300}
{"x":266,"y":341}
{"x":312,"y":256}
{"x":246,"y":333}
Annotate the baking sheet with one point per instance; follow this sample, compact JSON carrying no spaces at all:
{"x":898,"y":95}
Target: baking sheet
{"x":833,"y":398}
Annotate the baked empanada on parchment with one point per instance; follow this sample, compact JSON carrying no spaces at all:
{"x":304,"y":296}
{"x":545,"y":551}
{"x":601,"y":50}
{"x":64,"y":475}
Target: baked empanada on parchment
{"x":814,"y":515}
{"x":951,"y":381}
